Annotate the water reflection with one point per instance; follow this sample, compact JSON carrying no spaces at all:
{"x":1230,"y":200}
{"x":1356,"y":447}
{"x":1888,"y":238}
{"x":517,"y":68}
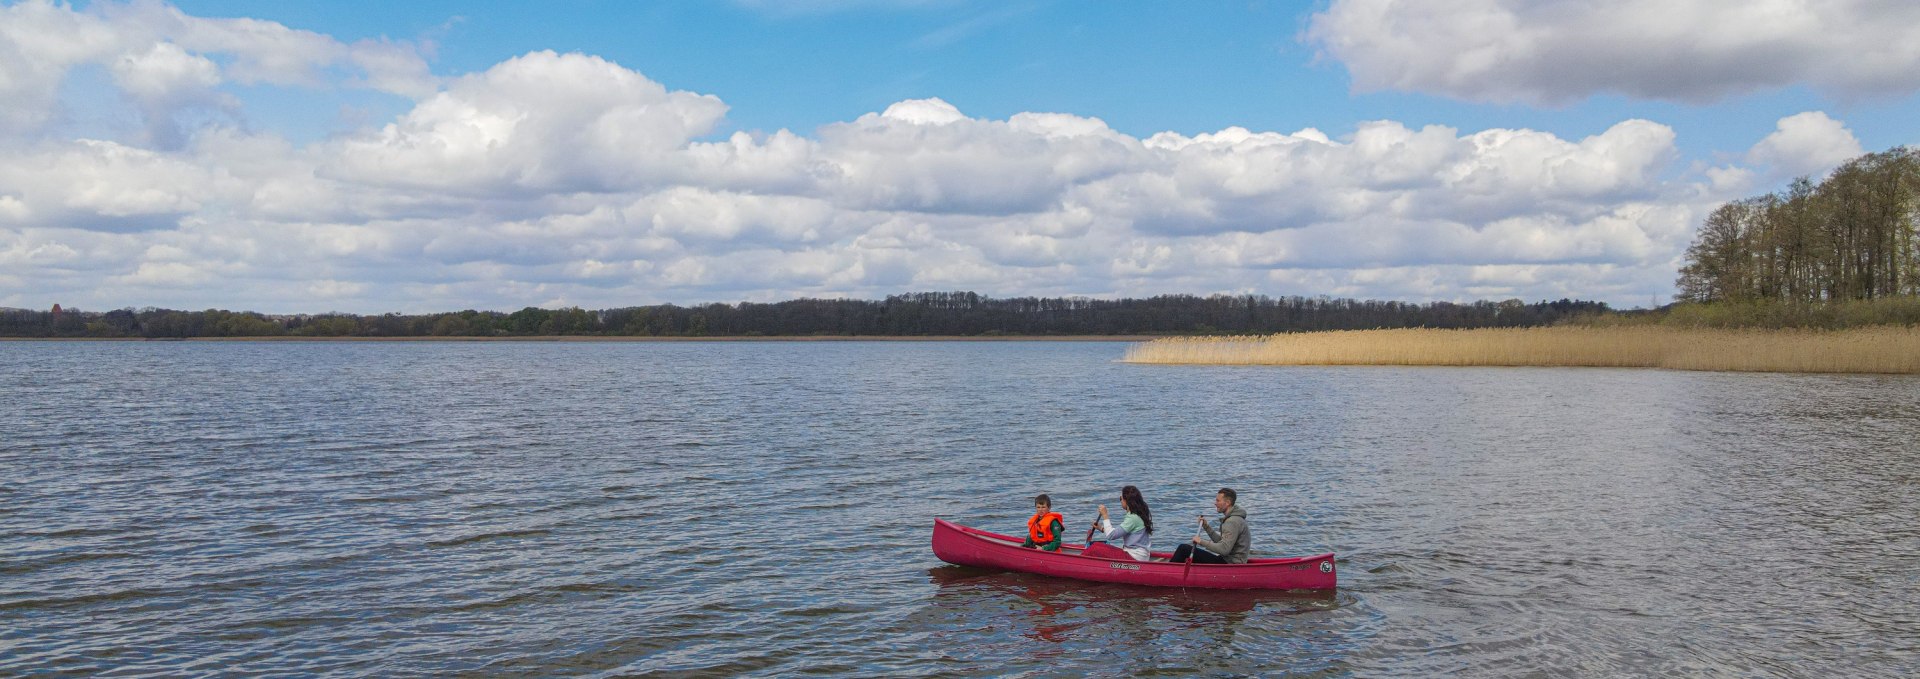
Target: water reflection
{"x":1000,"y":613}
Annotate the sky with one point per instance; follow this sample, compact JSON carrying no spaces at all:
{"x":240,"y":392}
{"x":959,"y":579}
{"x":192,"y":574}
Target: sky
{"x":431,"y":156}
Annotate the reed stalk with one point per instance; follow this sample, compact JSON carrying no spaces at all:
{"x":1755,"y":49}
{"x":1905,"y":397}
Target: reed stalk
{"x":1881,"y":349}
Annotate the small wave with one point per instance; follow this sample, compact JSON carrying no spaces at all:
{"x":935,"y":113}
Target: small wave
{"x":84,"y":599}
{"x":826,"y":611}
{"x":73,"y":533}
{"x":597,"y":588}
{"x":509,"y":601}
{"x":377,"y":500}
{"x":483,"y":537}
{"x":629,"y":517}
{"x":835,"y":505}
{"x":60,"y":559}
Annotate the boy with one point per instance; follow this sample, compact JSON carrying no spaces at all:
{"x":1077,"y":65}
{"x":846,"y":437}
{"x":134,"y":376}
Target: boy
{"x":1044,"y":529}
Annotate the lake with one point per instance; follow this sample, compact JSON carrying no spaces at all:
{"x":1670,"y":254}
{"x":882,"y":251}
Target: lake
{"x":764,"y":508}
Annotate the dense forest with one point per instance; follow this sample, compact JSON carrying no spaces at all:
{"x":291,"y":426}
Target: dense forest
{"x":919,"y":314}
{"x":1849,"y":237}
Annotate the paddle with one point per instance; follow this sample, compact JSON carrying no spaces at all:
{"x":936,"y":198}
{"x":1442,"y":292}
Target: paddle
{"x":1184,"y":572}
{"x":1088,"y":540}
{"x":1090,"y":529}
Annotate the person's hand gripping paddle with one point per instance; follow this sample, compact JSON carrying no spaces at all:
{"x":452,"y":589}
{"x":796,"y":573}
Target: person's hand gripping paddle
{"x":1096,"y":526}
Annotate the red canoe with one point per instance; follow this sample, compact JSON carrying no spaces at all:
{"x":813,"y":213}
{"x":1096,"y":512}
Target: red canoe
{"x":958,"y":544}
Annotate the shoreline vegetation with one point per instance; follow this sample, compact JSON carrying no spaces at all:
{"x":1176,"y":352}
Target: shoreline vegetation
{"x":926,"y":314}
{"x":1861,"y":336}
{"x":1872,"y":349}
{"x":1880,"y":335}
{"x":615,"y":338}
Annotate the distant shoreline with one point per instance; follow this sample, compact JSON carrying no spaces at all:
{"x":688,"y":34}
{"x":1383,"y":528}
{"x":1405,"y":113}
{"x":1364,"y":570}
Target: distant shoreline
{"x":621,"y":338}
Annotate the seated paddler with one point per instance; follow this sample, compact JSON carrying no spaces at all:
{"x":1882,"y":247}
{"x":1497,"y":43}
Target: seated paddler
{"x":1227,"y":545}
{"x":1134,"y":534}
{"x":1044,"y":529}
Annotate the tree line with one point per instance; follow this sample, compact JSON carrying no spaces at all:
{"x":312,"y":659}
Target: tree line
{"x":1848,"y":237}
{"x":917,"y":314}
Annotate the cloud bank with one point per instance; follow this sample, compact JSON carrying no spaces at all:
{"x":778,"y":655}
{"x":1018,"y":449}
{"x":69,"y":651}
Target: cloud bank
{"x":552,"y":179}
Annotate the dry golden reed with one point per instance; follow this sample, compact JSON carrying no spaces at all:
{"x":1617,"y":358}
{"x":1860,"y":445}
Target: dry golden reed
{"x":1883,"y":349}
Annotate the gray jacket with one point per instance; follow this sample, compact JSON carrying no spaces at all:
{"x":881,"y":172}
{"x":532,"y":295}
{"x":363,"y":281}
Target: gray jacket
{"x":1233,"y":539}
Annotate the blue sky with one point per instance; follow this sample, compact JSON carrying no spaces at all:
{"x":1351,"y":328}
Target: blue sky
{"x":314,"y":156}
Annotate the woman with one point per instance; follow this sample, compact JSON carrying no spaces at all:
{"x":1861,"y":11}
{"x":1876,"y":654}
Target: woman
{"x":1135,"y":533}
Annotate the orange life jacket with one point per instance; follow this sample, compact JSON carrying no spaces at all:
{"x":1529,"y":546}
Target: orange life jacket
{"x":1040,"y":527}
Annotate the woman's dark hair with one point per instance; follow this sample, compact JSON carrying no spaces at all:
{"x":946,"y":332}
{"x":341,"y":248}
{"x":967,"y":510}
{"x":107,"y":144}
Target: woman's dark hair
{"x":1137,"y":505}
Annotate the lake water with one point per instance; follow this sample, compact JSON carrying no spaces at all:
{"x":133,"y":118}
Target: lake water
{"x":539,"y":509}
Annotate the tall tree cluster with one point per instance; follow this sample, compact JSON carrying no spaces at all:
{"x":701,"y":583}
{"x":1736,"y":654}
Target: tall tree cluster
{"x":1850,"y":236}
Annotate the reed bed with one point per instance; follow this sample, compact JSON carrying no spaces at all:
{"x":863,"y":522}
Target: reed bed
{"x":1883,"y":349}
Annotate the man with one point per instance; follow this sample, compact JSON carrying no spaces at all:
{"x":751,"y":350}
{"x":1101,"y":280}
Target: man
{"x":1227,"y":545}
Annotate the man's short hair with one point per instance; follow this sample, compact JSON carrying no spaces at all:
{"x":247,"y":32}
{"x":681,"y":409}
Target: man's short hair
{"x":1231,"y":498}
{"x":1042,"y":499}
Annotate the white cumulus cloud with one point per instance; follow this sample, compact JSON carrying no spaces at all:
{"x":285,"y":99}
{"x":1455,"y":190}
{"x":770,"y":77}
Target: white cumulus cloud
{"x":1805,"y":144}
{"x":1560,"y":51}
{"x":165,"y":59}
{"x":103,"y":185}
{"x":924,"y":155}
{"x":543,"y":121}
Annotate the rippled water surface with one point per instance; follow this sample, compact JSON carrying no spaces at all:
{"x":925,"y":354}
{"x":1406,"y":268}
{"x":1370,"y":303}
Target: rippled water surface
{"x":765,"y":508}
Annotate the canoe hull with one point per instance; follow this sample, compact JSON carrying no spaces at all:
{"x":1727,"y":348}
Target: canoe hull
{"x":957,"y":544}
